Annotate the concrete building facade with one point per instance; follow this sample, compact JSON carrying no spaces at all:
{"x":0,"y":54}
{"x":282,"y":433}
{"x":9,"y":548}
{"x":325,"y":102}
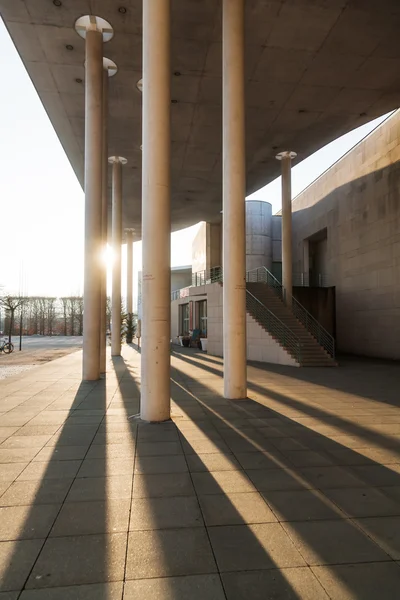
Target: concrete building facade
{"x":346,"y":226}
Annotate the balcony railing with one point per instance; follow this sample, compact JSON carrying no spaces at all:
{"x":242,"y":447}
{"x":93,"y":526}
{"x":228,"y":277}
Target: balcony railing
{"x":207,"y":276}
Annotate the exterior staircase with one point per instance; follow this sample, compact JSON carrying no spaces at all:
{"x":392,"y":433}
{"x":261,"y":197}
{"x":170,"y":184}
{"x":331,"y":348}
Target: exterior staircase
{"x":294,"y":329}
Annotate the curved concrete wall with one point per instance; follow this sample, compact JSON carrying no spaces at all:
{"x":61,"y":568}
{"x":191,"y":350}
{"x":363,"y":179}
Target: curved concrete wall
{"x":258,"y":234}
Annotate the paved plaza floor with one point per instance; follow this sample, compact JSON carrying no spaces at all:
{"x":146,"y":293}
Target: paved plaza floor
{"x":291,"y":494}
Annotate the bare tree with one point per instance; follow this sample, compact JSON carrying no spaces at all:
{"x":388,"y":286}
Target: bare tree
{"x":10,"y":305}
{"x":72,"y":309}
{"x":79,"y":314}
{"x":64,"y":301}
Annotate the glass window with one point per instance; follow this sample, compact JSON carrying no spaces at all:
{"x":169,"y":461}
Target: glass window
{"x":184,"y":319}
{"x":202,"y":312}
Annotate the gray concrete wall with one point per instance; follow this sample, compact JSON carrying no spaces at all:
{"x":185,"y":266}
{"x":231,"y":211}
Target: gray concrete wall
{"x":358,"y":202}
{"x":258,"y":234}
{"x":277,"y":238}
{"x":180,"y":279}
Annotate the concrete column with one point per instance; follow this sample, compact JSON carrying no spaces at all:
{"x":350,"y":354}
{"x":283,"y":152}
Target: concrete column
{"x":234,"y":183}
{"x":117,"y":162}
{"x":94,"y":30}
{"x":109,"y":69}
{"x":306,"y":263}
{"x":156,"y":209}
{"x":129,"y":270}
{"x":287,"y":268}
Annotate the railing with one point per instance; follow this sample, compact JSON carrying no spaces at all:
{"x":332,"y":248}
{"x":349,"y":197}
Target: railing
{"x":200,"y":278}
{"x":305,"y":280}
{"x":262,"y":275}
{"x":274,"y":326}
{"x":207,"y":276}
{"x":182,"y":293}
{"x":323,"y":337}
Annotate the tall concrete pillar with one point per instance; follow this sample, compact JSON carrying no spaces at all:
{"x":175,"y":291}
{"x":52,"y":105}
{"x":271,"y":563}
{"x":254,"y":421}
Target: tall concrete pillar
{"x":156,"y":217}
{"x":109,"y":69}
{"x":306,"y":263}
{"x":129,"y":270}
{"x":117,"y":162}
{"x":94,"y":30}
{"x":234,"y":183}
{"x":287,"y":268}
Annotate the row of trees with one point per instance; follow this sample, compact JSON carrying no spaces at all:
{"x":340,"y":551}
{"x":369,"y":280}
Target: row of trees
{"x":44,"y":315}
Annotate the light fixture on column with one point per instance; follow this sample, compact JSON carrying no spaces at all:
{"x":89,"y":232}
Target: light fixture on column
{"x":286,"y":154}
{"x":110,"y":66}
{"x":139,"y":85}
{"x":117,"y":159}
{"x":83,"y":24}
{"x":129,"y":230}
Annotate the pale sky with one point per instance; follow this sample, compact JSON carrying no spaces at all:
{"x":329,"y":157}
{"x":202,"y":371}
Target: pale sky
{"x":42,"y":203}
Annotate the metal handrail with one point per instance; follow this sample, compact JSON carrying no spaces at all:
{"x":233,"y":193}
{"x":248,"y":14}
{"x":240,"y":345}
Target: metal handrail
{"x":207,"y":276}
{"x":274,"y":326}
{"x":177,"y":294}
{"x":323,"y":337}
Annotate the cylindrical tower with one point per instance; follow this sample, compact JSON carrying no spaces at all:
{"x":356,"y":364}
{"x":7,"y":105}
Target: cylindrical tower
{"x":258,"y":234}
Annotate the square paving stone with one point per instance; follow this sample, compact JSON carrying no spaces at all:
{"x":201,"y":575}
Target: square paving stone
{"x":158,"y":448}
{"x":32,"y":430}
{"x":26,"y":522}
{"x":333,"y":542}
{"x":235,"y":509}
{"x":55,"y":469}
{"x":385,"y":531}
{"x":282,"y":584}
{"x":10,"y":472}
{"x":204,"y":446}
{"x":100,"y":488}
{"x":218,"y":482}
{"x":165,"y":513}
{"x":308,"y":458}
{"x":331,"y":477}
{"x":79,"y":560}
{"x":26,"y":441}
{"x":61,"y":453}
{"x":377,"y":475}
{"x":162,"y":485}
{"x":156,"y":435}
{"x":257,"y":546}
{"x":47,"y":491}
{"x":85,"y":518}
{"x":301,"y":505}
{"x":103,"y":468}
{"x":277,"y":479}
{"x":168,"y":553}
{"x":195,"y":587}
{"x":160,"y":464}
{"x":367,"y":582}
{"x":17,"y":455}
{"x":96,"y":591}
{"x":261,"y":460}
{"x":364,"y":502}
{"x":198,"y":463}
{"x":9,"y":595}
{"x":16,"y":561}
{"x":112,"y":451}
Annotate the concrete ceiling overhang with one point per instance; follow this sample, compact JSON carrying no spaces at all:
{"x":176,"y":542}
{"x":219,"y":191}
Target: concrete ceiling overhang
{"x":315,"y":69}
